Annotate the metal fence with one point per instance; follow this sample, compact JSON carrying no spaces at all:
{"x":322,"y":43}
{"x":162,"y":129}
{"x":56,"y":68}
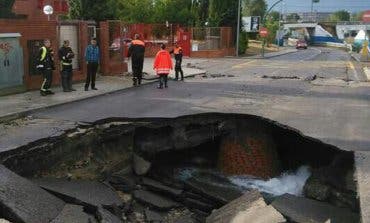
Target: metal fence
{"x":153,"y":35}
{"x":211,"y":38}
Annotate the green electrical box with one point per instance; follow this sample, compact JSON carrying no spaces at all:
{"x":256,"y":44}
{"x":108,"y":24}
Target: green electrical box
{"x":11,"y":61}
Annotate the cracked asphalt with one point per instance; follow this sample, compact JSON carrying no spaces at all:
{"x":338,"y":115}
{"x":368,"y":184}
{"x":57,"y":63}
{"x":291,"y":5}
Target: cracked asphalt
{"x":333,"y":108}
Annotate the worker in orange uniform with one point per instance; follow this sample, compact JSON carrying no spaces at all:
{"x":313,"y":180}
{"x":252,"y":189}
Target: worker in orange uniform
{"x":177,"y":51}
{"x":137,"y":52}
{"x":163,"y":66}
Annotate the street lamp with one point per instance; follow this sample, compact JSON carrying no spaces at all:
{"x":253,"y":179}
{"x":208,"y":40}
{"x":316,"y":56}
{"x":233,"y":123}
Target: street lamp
{"x":48,"y":10}
{"x":264,"y":24}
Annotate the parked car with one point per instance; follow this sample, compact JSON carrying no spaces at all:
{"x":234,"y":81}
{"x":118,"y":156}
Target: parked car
{"x":301,"y":44}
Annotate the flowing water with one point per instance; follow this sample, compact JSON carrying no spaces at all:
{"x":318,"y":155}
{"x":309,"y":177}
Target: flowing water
{"x":287,"y":183}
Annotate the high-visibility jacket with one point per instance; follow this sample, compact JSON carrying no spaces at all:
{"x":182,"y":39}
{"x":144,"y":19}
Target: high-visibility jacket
{"x":163,"y":62}
{"x":177,"y":51}
{"x":45,"y":59}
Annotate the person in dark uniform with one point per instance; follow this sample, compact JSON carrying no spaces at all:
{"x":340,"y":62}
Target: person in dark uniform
{"x":45,"y":65}
{"x":92,"y":57}
{"x":136,"y":52}
{"x":177,"y":51}
{"x":65,"y":56}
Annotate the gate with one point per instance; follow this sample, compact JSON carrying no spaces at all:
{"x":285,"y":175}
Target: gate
{"x":183,"y":39}
{"x":11,"y":61}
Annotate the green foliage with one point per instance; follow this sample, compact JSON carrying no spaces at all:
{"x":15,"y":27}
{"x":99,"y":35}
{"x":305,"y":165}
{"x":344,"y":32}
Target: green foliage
{"x":273,"y":27}
{"x":254,"y":8}
{"x":97,"y":10}
{"x":6,"y":9}
{"x":340,"y":16}
{"x":75,"y":9}
{"x":134,"y":11}
{"x":243,"y":43}
{"x":357,"y":16}
{"x":223,"y":13}
{"x":293,"y":17}
{"x":274,"y":16}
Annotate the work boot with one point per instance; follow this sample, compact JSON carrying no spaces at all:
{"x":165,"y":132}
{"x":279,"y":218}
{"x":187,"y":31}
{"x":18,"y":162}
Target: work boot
{"x":72,"y":89}
{"x":43,"y":93}
{"x":49,"y":92}
{"x":94,"y":88}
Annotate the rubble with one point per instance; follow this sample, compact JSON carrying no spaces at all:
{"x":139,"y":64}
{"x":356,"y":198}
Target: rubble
{"x":300,"y":209}
{"x":23,"y":201}
{"x":82,"y":192}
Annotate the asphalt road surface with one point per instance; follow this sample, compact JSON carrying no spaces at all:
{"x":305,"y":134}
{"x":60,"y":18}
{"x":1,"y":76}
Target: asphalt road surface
{"x":333,"y":108}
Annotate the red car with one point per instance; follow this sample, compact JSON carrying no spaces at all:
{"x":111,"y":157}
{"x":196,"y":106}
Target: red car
{"x":301,"y":44}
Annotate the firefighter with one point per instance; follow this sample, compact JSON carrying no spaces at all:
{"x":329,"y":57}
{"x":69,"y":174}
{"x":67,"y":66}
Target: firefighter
{"x":65,"y":56}
{"x":136,"y":52}
{"x":177,"y":51}
{"x":163,"y":65}
{"x":45,"y":65}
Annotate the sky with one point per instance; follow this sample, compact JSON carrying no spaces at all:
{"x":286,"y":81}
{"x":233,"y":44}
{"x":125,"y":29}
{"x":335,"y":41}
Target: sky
{"x":323,"y":6}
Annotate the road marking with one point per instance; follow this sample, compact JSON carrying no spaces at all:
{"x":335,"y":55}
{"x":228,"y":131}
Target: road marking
{"x":243,"y":64}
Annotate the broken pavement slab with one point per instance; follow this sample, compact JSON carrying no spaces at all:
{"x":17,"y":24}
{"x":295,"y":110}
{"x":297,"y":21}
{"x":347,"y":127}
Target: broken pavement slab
{"x":156,"y":186}
{"x":74,"y":214}
{"x":82,"y":192}
{"x":220,"y":195}
{"x":250,"y":207}
{"x":154,"y":200}
{"x":300,"y":209}
{"x":23,"y":201}
{"x":107,"y":217}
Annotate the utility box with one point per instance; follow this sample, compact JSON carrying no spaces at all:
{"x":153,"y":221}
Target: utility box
{"x":11,"y":61}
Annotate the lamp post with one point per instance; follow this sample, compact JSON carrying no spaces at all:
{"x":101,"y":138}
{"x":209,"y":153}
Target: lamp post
{"x":264,"y":24}
{"x":238,"y":29}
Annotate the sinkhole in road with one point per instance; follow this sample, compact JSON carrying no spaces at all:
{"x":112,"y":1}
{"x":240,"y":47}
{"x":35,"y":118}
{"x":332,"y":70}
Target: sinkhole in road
{"x":194,"y":164}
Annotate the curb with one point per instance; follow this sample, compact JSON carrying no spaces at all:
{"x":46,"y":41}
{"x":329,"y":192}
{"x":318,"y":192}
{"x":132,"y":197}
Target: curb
{"x":22,"y":114}
{"x":272,"y":56}
{"x":367,"y":73}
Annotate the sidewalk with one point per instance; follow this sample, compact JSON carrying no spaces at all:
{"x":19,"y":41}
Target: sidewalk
{"x":20,"y":105}
{"x":274,"y":54}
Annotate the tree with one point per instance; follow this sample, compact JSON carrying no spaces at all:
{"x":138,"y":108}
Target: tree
{"x":74,"y":9}
{"x":357,"y":16}
{"x":6,"y":9}
{"x":97,"y":10}
{"x":293,"y":17}
{"x":200,"y":12}
{"x":340,"y":16}
{"x":274,"y":16}
{"x":134,"y":11}
{"x":254,"y":8}
{"x":223,"y":13}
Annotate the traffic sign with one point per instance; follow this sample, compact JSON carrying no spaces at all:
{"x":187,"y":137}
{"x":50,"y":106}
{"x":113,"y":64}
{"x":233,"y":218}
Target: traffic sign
{"x":264,"y":32}
{"x":366,"y":16}
{"x":251,"y":24}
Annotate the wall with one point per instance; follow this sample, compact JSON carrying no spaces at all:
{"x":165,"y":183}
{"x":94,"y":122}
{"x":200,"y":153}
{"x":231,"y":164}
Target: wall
{"x":38,"y":30}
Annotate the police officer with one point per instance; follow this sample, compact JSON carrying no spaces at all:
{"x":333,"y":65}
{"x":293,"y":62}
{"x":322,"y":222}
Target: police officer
{"x":45,"y":65}
{"x":65,"y":56}
{"x":137,"y":52}
{"x":178,"y":52}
